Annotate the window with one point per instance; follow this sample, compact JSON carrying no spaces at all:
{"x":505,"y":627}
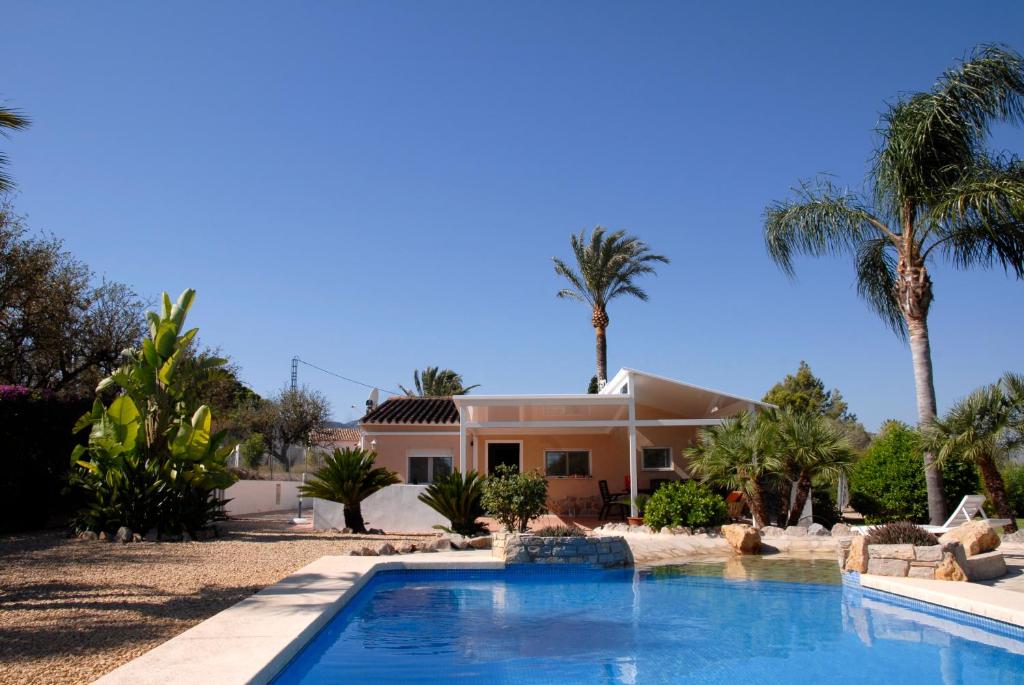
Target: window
{"x":427,"y":469}
{"x":657,"y":459}
{"x":567,"y":463}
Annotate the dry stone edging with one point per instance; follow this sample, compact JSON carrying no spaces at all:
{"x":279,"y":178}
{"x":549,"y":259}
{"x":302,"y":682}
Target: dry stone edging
{"x":524,"y":548}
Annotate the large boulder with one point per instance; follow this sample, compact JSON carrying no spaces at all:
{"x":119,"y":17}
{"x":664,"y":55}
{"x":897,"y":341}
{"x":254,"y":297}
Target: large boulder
{"x":986,"y":566}
{"x":977,"y":537}
{"x":744,"y":538}
{"x":857,"y":559}
{"x":950,"y":568}
{"x":841,"y":529}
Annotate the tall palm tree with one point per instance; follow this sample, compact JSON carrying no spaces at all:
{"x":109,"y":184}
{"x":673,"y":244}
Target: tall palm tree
{"x":935,"y":192}
{"x":731,"y":455}
{"x":806,"y":447}
{"x":10,"y":120}
{"x":435,"y":382}
{"x":981,"y":427}
{"x":607,"y":266}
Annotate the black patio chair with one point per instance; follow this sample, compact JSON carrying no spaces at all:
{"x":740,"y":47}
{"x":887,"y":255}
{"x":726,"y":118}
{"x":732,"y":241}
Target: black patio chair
{"x":608,"y":500}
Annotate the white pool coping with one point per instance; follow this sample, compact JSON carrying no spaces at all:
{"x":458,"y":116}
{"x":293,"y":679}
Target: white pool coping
{"x":981,"y":600}
{"x":250,"y":642}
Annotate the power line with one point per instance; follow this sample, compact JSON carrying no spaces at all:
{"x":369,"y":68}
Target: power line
{"x":296,"y":360}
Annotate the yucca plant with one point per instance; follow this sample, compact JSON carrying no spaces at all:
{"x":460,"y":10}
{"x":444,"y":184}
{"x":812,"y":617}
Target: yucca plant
{"x":901,"y":533}
{"x":348,"y":476}
{"x":457,"y":498}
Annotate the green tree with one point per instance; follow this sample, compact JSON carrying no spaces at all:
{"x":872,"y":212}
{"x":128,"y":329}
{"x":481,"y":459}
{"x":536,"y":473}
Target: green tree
{"x":804,"y":393}
{"x":60,"y":328}
{"x":10,"y":120}
{"x":935,"y":192}
{"x":731,"y":455}
{"x":805,"y":448}
{"x":514,"y":498}
{"x":348,"y":476}
{"x":978,"y":428}
{"x":253,"y":449}
{"x":887,"y":483}
{"x":606,"y":268}
{"x":291,"y":417}
{"x":152,"y":461}
{"x":435,"y":382}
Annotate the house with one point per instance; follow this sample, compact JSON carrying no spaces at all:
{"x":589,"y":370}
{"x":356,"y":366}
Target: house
{"x":631,"y":434}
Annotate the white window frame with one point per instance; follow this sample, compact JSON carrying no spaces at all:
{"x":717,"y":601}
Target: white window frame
{"x":429,"y":455}
{"x":590,"y":462}
{"x":671,"y":464}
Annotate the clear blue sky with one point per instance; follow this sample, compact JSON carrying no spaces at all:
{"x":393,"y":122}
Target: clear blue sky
{"x":379,"y":186}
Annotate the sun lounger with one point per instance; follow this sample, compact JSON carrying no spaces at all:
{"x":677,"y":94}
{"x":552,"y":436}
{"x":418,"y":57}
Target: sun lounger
{"x":970,"y":506}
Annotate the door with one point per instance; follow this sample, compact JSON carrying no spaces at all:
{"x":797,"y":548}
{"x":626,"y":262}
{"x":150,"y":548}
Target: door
{"x":502,"y":453}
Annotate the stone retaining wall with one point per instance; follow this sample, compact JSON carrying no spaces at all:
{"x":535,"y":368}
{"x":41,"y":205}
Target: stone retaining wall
{"x":934,"y":562}
{"x":515,"y":548}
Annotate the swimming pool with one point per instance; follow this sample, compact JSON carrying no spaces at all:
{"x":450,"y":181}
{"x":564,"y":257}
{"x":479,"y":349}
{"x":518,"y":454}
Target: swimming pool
{"x":670,"y":624}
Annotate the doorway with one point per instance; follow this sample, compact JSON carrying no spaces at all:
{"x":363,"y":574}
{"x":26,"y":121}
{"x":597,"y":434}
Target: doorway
{"x":509,"y":453}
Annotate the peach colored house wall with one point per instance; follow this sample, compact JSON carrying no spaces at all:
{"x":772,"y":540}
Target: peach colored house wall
{"x":608,"y":457}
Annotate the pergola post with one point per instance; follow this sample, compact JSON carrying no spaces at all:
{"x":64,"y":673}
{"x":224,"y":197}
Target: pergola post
{"x":462,"y":445}
{"x":633,"y":510}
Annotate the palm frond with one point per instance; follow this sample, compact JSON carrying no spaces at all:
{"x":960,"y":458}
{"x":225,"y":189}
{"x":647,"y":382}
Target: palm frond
{"x":876,"y":282}
{"x":821,"y":220}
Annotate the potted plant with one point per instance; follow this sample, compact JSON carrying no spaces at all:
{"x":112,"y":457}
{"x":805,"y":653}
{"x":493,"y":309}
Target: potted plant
{"x":640,"y":502}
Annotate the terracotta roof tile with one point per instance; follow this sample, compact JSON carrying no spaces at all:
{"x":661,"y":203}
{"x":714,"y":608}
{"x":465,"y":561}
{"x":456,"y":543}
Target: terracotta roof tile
{"x":329,"y":436}
{"x":415,"y":410}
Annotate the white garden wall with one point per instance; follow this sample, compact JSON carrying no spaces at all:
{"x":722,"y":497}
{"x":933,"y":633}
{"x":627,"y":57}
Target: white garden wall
{"x":395,"y":509}
{"x":254,"y":496}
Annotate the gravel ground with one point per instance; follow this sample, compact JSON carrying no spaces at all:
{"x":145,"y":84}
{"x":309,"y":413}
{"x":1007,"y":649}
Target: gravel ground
{"x":73,"y":610}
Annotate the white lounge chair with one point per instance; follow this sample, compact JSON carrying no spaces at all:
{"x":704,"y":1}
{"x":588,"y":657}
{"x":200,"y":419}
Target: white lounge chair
{"x":969,"y":508}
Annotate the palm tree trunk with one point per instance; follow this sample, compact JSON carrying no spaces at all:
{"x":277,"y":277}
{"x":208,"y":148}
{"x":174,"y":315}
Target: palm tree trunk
{"x":354,"y":518}
{"x":756,"y":503}
{"x":997,"y":491}
{"x":602,"y":356}
{"x":920,"y":351}
{"x":803,"y":491}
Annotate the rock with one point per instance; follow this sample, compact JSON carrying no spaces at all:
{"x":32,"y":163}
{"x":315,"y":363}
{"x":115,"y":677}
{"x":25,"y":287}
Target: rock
{"x":928,"y":553}
{"x":857,"y":559}
{"x":458,"y":541}
{"x":817,"y":529}
{"x":977,"y":537}
{"x":796,"y":531}
{"x":986,"y":566}
{"x":481,"y":542}
{"x":406,"y":548}
{"x":682,"y":530}
{"x":375,"y":531}
{"x":441,"y":545}
{"x":103,"y":537}
{"x":346,"y":531}
{"x":950,"y":569}
{"x":841,"y":529}
{"x":367,"y":552}
{"x":136,"y":537}
{"x":879,"y":566}
{"x":88,"y":535}
{"x":926,"y":572}
{"x":355,"y":553}
{"x":123,"y":535}
{"x":385,"y":550}
{"x":772,"y":532}
{"x":903,"y":552}
{"x":744,"y":539}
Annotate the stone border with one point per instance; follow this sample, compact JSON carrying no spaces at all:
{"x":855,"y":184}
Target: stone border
{"x":253,"y":640}
{"x":1006,"y":606}
{"x":595,"y":550}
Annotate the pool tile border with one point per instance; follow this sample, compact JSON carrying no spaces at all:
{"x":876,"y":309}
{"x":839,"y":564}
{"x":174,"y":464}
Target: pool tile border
{"x":250,"y":642}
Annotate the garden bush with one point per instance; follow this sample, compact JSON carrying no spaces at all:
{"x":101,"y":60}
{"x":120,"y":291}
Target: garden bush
{"x":1013,"y":476}
{"x":888,"y":484}
{"x":514,"y":498}
{"x":35,"y":441}
{"x":560,"y":532}
{"x":901,"y":533}
{"x":457,"y":498}
{"x":685,"y":504}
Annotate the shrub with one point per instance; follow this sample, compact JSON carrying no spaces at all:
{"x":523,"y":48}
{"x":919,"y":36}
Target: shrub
{"x":151,"y":460}
{"x":457,"y":498}
{"x":560,"y":532}
{"x":348,"y":476}
{"x":1013,"y":476}
{"x":253,"y":450}
{"x":888,"y":483}
{"x":823,"y":504}
{"x":514,"y":498}
{"x":685,"y":504}
{"x":35,"y":440}
{"x":901,"y":533}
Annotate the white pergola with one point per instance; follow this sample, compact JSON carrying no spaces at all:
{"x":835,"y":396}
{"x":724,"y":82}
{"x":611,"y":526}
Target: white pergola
{"x":614,"y":407}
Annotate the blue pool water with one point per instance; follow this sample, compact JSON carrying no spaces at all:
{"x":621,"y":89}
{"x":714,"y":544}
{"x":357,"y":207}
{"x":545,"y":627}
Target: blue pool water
{"x":676,"y":624}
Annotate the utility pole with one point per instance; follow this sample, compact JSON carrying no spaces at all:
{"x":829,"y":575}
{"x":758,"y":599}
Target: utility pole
{"x":295,"y":373}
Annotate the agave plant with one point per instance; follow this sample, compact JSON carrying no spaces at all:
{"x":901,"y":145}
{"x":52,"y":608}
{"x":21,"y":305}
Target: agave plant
{"x":348,"y":477}
{"x":457,"y":498}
